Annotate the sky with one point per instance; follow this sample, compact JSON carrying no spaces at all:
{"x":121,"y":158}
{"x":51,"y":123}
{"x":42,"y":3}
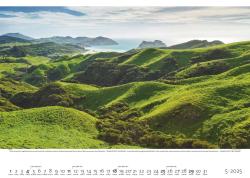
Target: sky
{"x":169,"y":24}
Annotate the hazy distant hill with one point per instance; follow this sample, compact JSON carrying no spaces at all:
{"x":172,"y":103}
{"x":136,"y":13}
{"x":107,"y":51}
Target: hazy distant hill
{"x":9,"y":39}
{"x":18,"y":35}
{"x":152,"y":44}
{"x":84,"y":41}
{"x":195,"y":44}
{"x":42,"y":49}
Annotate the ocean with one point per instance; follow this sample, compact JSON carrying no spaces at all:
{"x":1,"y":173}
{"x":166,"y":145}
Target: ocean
{"x":123,"y":46}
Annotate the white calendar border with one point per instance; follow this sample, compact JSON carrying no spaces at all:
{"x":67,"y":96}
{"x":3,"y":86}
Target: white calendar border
{"x":216,"y":160}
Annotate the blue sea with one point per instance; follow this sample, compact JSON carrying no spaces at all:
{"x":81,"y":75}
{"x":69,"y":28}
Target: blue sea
{"x":123,"y":46}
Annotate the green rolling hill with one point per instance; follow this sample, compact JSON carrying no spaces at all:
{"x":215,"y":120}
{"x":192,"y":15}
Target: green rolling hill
{"x":49,"y":127}
{"x":196,"y":44}
{"x":147,"y":98}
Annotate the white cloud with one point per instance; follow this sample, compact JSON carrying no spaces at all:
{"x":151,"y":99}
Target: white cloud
{"x":171,"y":24}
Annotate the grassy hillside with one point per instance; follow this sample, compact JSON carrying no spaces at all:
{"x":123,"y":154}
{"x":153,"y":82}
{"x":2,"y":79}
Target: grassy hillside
{"x":199,"y":101}
{"x":148,"y":98}
{"x":176,"y":108}
{"x":145,"y":57}
{"x":49,"y":127}
{"x":41,"y":49}
{"x":135,"y":94}
{"x":10,"y":87}
{"x":156,"y":59}
{"x":233,"y":131}
{"x":196,"y":44}
{"x":214,"y":66}
{"x":6,"y":105}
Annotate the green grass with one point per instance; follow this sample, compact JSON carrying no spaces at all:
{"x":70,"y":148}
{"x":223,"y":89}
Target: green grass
{"x":99,"y":97}
{"x":9,"y":68}
{"x":208,"y":106}
{"x":241,"y":70}
{"x":173,"y":108}
{"x":187,"y":107}
{"x":230,"y":63}
{"x":154,"y":58}
{"x":222,"y":126}
{"x":48,"y":127}
{"x":8,"y":88}
{"x":36,"y":60}
{"x":145,"y":57}
{"x":6,"y":105}
{"x":13,"y":87}
{"x":77,"y":88}
{"x":137,"y":94}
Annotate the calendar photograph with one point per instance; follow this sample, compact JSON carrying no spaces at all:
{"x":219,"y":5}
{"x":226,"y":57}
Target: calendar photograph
{"x":95,"y":77}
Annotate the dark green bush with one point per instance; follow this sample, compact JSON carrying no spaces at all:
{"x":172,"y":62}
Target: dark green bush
{"x":211,"y":55}
{"x":235,"y":138}
{"x":50,"y":95}
{"x":58,"y":72}
{"x":104,"y":73}
{"x":117,"y":126}
{"x":23,"y":99}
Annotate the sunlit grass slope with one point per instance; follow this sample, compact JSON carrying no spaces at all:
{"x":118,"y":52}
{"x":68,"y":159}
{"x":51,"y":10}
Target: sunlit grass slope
{"x":136,"y":94}
{"x":182,"y":108}
{"x":154,"y":58}
{"x":206,"y":98}
{"x":48,"y":127}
